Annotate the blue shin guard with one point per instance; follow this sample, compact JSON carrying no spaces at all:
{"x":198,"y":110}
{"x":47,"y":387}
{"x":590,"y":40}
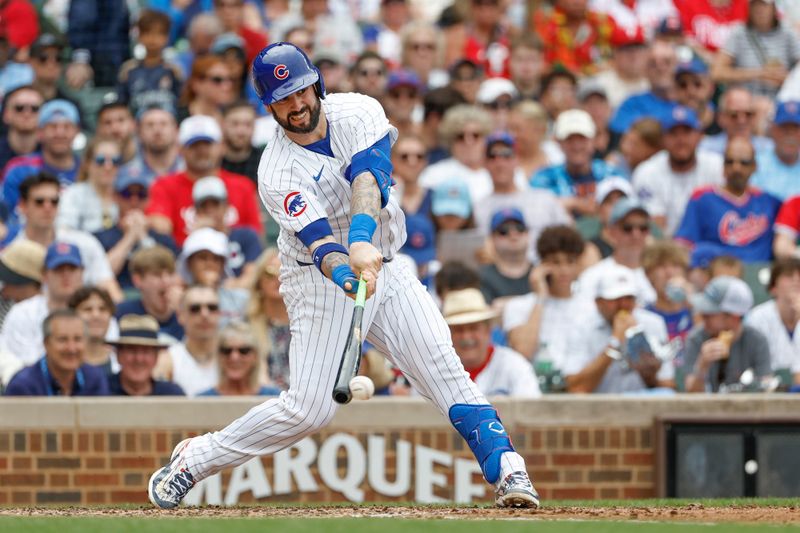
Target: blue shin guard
{"x":487,"y":438}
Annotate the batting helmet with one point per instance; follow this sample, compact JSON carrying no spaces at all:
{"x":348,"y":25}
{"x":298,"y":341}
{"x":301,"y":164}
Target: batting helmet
{"x":281,"y":69}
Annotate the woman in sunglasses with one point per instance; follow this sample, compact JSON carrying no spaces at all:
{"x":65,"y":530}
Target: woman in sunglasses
{"x":239,"y":361}
{"x":88,"y":204}
{"x":210,"y":87}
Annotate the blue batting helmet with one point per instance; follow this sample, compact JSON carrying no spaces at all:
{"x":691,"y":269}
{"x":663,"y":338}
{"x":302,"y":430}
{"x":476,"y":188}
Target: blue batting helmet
{"x":281,"y":69}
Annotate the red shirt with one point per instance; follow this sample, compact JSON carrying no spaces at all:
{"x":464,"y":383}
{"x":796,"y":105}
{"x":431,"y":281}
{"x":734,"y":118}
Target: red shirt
{"x":254,"y":41}
{"x":171,"y":196}
{"x":18,"y":23}
{"x":789,"y":217}
{"x":709,"y":25}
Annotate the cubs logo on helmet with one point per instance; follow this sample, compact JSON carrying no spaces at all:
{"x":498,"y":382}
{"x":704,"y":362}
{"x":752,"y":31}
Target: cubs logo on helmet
{"x":281,"y":69}
{"x":281,"y":72}
{"x":294,"y":204}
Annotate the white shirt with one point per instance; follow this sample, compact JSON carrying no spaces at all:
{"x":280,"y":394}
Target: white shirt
{"x":590,"y":279}
{"x":96,"y":268}
{"x":189,"y":374}
{"x":21,"y":334}
{"x":508,"y":374}
{"x":666,"y":193}
{"x":559,"y":317}
{"x":617,"y":89}
{"x":591,"y":336}
{"x":478,"y":181}
{"x":82,"y":209}
{"x":784,"y":351}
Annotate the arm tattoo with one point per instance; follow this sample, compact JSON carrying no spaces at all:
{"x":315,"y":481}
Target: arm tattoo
{"x":366,"y":196}
{"x":332,"y":260}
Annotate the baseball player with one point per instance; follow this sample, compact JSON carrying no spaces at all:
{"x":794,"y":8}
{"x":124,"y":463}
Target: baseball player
{"x":326,"y":179}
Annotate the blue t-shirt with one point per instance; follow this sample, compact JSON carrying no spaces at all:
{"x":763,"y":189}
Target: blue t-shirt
{"x":24,"y":166}
{"x":262,"y":391}
{"x":776,"y":177}
{"x":170,"y":327}
{"x":36,"y":380}
{"x":678,"y":323}
{"x":557,"y":180}
{"x":140,"y":85}
{"x":160,"y":388}
{"x":638,"y":106}
{"x":742,"y":227}
{"x":244,"y":247}
{"x":110,"y":237}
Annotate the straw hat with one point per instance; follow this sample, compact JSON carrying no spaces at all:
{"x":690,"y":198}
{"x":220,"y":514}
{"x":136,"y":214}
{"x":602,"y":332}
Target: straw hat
{"x":138,"y":330}
{"x":22,"y":262}
{"x":466,"y":306}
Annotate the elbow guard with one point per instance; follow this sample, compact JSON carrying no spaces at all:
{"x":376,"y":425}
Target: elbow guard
{"x":375,"y":160}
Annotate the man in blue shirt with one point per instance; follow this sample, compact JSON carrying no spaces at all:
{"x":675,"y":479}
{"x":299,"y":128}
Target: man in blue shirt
{"x":779,"y":168}
{"x":737,"y":118}
{"x":61,"y":372}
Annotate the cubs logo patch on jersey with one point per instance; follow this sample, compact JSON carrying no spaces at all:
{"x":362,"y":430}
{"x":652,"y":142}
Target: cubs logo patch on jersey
{"x":294,"y":204}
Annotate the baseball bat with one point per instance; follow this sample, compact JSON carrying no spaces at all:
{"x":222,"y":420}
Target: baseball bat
{"x":351,"y":357}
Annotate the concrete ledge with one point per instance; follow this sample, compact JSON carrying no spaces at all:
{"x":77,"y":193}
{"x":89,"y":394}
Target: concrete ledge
{"x":388,"y":413}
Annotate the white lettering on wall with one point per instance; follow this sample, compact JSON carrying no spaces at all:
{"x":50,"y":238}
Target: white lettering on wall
{"x":354,"y":472}
{"x":376,"y":473}
{"x":426,"y":477}
{"x":298,"y":467}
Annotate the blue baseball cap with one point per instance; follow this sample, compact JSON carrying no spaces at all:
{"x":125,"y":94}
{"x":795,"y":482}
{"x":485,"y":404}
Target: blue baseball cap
{"x":421,"y":243}
{"x":403,"y":78}
{"x":225,"y":42}
{"x":499,"y":137}
{"x":693,"y":66}
{"x":451,"y":197}
{"x":787,"y":113}
{"x":128,"y":176}
{"x":705,"y":252}
{"x":624,"y":207}
{"x":680,"y":115}
{"x":56,"y":110}
{"x":506,"y":214}
{"x":62,"y":253}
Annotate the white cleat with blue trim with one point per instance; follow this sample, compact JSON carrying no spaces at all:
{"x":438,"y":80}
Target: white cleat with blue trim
{"x":169,"y":485}
{"x":516,"y":490}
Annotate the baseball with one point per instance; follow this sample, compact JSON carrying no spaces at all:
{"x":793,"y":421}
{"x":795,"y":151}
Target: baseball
{"x":362,"y":388}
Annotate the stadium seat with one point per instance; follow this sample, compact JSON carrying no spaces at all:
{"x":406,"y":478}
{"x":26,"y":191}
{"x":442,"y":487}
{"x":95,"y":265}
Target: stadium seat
{"x":756,"y":275}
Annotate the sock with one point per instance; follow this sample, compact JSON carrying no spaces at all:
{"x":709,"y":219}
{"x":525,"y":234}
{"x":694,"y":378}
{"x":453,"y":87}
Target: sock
{"x":510,"y":462}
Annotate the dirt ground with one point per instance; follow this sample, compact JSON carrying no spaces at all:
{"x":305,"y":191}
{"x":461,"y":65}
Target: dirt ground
{"x":688,"y":513}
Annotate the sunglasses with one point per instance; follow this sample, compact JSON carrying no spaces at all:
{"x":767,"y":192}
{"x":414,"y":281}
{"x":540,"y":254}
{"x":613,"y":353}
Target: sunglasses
{"x":410,"y":94}
{"x":471,"y":135}
{"x":219,"y":80}
{"x":643,"y":228}
{"x":500,"y":154}
{"x":195,"y":309}
{"x":685,"y":84}
{"x":743,"y":162}
{"x":141,"y":194}
{"x":506,"y":229}
{"x":736,"y":115}
{"x":48,"y":58}
{"x":103,"y":159}
{"x":34,"y":108}
{"x":371,"y":72}
{"x":411,"y":157}
{"x":227,"y":351}
{"x":39,"y":202}
{"x":499,"y":104}
{"x":417,"y":47}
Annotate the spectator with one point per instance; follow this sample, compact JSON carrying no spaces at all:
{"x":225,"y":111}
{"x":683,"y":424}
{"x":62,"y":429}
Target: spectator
{"x":230,"y":47}
{"x":666,"y":181}
{"x":487,"y":37}
{"x":600,"y":358}
{"x":21,"y":266}
{"x":95,"y":307}
{"x":20,"y":120}
{"x":497,"y":95}
{"x":574,"y":37}
{"x":507,"y":275}
{"x":394,"y":15}
{"x":695,"y":89}
{"x":88,"y":205}
{"x":496,"y":370}
{"x":453,"y":276}
{"x":38,"y":205}
{"x":737,"y":118}
{"x":420,"y":246}
{"x":130,"y":233}
{"x":99,"y":35}
{"x":170,"y":209}
{"x":203,"y":30}
{"x":46,"y":57}
{"x":12,"y":73}
{"x":628,"y":65}
{"x":152,"y":271}
{"x":723,"y":347}
{"x":368,"y":74}
{"x":239,"y":155}
{"x":709,"y":22}
{"x":466,"y":77}
{"x":114,"y":120}
{"x":137,"y":351}
{"x":208,"y":90}
{"x":777,"y":169}
{"x":666,"y":265}
{"x":787,"y":229}
{"x":231,"y":14}
{"x":22,"y":329}
{"x":421,"y":52}
{"x":594,"y":100}
{"x":539,"y":207}
{"x":301,"y":37}
{"x":192,"y":363}
{"x":735,"y":216}
{"x":204,"y":261}
{"x":575,"y":180}
{"x":527,"y":123}
{"x":641,"y":142}
{"x":629,"y":228}
{"x":608,"y":192}
{"x":539,"y":323}
{"x":778,"y":319}
{"x":758,"y":53}
{"x":58,"y":126}
{"x":61,"y":372}
{"x":269,"y":320}
{"x":658,"y":101}
{"x":640,"y":16}
{"x":19,"y":25}
{"x":559,"y":92}
{"x":403,"y":100}
{"x":211,"y":204}
{"x":239,"y":361}
{"x":435,"y":104}
{"x":333,"y":69}
{"x":526,"y":65}
{"x":463,"y":130}
{"x":408,"y":161}
{"x":157,"y":132}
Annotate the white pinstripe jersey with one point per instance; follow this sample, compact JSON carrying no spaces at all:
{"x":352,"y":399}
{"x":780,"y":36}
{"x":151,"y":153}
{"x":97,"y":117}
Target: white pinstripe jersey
{"x":299,"y":186}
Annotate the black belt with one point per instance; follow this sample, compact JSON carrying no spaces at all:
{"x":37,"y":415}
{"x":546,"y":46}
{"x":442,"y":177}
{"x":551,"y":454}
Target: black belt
{"x":302,"y":264}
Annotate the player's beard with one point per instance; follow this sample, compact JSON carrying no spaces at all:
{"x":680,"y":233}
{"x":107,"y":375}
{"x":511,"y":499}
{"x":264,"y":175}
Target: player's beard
{"x":313,"y":120}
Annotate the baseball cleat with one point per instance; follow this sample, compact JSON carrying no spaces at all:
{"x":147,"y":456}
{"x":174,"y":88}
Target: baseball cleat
{"x":516,"y":490}
{"x":169,"y":484}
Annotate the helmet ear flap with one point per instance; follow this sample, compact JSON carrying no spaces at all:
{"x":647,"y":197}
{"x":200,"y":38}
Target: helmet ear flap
{"x":319,"y":87}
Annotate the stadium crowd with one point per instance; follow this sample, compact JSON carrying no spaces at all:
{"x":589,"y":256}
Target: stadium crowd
{"x":603,"y":195}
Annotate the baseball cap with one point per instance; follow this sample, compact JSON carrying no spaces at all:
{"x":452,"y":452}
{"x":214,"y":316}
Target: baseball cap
{"x":403,"y":78}
{"x":451,"y":197}
{"x":693,"y":66}
{"x":504,"y":215}
{"x":619,"y":281}
{"x":203,"y":239}
{"x":724,"y":294}
{"x":21,"y":262}
{"x":670,"y":26}
{"x":62,"y":253}
{"x":611,"y":184}
{"x":128,"y":176}
{"x":209,"y":187}
{"x":787,"y":113}
{"x":56,"y":110}
{"x":477,"y":69}
{"x":493,"y":88}
{"x":705,"y":252}
{"x":624,"y":207}
{"x":680,"y":115}
{"x":199,"y":128}
{"x":153,"y":101}
{"x":46,"y":40}
{"x":466,"y":306}
{"x":574,"y":122}
{"x":421,"y":243}
{"x":111,"y":100}
{"x":627,"y":37}
{"x":225,"y":42}
{"x":589,"y":88}
{"x":501,"y":137}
